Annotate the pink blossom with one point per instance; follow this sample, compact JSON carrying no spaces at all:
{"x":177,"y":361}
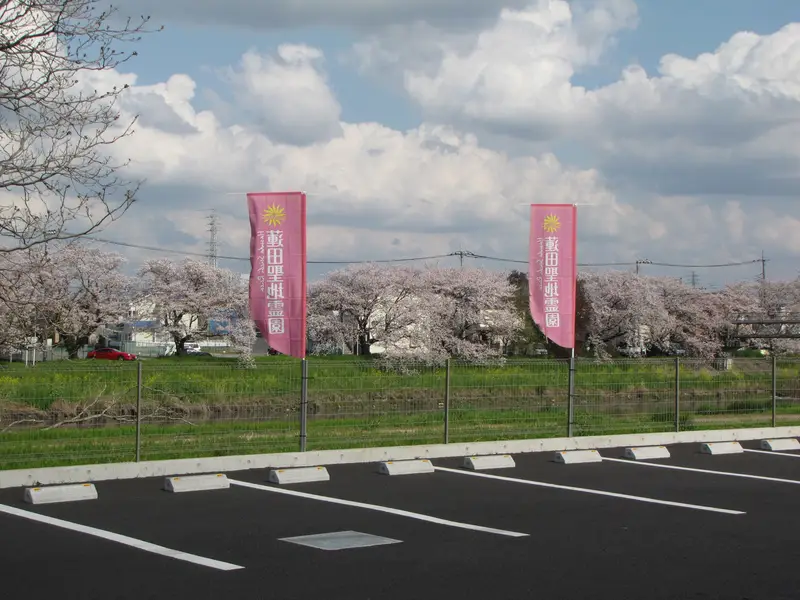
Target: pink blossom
{"x":69,"y":289}
{"x":184,"y":296}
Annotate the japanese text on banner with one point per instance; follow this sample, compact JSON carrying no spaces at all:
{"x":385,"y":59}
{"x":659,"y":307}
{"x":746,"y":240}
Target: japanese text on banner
{"x":552,"y":314}
{"x":276,"y":318}
{"x":269,"y":266}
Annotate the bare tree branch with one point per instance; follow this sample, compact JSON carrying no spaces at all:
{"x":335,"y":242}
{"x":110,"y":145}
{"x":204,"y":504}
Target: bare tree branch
{"x":19,"y":422}
{"x":85,"y":415}
{"x":55,"y":126}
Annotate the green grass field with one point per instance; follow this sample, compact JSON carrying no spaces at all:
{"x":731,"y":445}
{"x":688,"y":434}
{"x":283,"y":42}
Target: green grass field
{"x":80,"y":412}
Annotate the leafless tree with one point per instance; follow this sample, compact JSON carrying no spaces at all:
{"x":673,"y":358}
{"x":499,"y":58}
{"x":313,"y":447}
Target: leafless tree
{"x":57,"y":179}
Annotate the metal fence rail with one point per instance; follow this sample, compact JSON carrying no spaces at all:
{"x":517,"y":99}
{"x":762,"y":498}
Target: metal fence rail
{"x":79,"y":412}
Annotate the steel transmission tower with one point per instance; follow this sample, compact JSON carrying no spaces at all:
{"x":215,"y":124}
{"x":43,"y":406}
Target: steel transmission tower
{"x":213,"y":242}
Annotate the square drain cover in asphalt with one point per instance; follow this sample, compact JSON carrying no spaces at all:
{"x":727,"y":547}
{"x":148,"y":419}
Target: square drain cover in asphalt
{"x":340,"y":540}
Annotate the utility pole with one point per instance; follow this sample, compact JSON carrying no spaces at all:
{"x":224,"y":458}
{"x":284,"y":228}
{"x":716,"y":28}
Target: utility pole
{"x":763,"y":294}
{"x":461,"y":254}
{"x":694,"y":279}
{"x":213,"y":242}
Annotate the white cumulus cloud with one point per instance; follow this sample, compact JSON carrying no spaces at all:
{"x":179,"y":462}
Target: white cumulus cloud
{"x":285,"y":96}
{"x":374,"y":192}
{"x":731,"y":112}
{"x":696,"y":163}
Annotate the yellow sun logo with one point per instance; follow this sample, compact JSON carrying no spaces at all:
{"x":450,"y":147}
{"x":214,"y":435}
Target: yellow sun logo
{"x":551,"y":224}
{"x":274,"y":215}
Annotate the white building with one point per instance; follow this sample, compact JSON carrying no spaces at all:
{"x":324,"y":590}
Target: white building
{"x":141,"y":331}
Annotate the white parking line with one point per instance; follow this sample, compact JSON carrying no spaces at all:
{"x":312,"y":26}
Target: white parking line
{"x":710,"y":472}
{"x":592,"y":491}
{"x":121,"y":539}
{"x":379,"y":508}
{"x":771,"y":453}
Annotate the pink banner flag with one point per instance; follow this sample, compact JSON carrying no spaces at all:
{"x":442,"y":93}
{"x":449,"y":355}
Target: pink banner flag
{"x":553,"y":271}
{"x":278,"y":269}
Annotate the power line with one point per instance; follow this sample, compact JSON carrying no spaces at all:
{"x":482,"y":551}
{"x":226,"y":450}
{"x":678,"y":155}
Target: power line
{"x":525,"y":262}
{"x":633,"y":263}
{"x":383,"y":260}
{"x":205,"y":255}
{"x":713,"y":266}
{"x":459,"y":253}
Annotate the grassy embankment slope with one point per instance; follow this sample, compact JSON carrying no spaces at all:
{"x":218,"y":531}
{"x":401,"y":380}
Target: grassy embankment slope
{"x":84,"y":411}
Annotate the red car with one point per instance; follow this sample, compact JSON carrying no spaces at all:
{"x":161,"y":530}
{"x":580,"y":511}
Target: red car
{"x":110,"y":354}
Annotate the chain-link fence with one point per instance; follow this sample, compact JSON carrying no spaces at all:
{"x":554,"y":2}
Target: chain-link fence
{"x":81,"y":412}
{"x":515,"y":399}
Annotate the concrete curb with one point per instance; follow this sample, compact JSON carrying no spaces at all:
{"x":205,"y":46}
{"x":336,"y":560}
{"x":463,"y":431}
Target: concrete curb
{"x":225,"y":464}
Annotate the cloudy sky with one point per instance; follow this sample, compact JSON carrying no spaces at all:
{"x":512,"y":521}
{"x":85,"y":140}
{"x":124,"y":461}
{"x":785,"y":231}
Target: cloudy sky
{"x":426,"y":127}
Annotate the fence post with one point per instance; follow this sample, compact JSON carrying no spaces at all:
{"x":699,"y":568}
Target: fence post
{"x":774,"y":390}
{"x":447,"y":402}
{"x":138,"y":411}
{"x":677,"y":394}
{"x":571,"y":398}
{"x":304,"y":405}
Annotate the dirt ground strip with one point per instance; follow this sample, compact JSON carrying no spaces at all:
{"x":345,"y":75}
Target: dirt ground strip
{"x":651,"y":532}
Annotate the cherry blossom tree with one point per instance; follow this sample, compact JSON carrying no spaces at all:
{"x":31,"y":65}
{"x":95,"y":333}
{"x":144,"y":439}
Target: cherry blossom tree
{"x":80,"y":290}
{"x":184,"y":296}
{"x":768,"y":300}
{"x":242,"y":338}
{"x":471,"y":312}
{"x":58,"y":118}
{"x":620,"y":309}
{"x":700,"y":319}
{"x":242,"y":333}
{"x":430,"y":314}
{"x":778,"y":297}
{"x":67,"y":289}
{"x":18,"y":310}
{"x":17,"y":327}
{"x":364,"y":305}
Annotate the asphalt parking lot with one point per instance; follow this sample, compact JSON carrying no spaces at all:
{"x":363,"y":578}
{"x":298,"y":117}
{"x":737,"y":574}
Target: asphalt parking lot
{"x":616,"y":529}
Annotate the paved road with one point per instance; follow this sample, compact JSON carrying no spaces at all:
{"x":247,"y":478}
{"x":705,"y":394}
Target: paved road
{"x":630,"y":543}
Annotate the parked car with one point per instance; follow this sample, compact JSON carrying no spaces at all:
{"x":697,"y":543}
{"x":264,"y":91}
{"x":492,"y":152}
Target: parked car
{"x":110,"y":354}
{"x":186,"y":352}
{"x":193,"y":349}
